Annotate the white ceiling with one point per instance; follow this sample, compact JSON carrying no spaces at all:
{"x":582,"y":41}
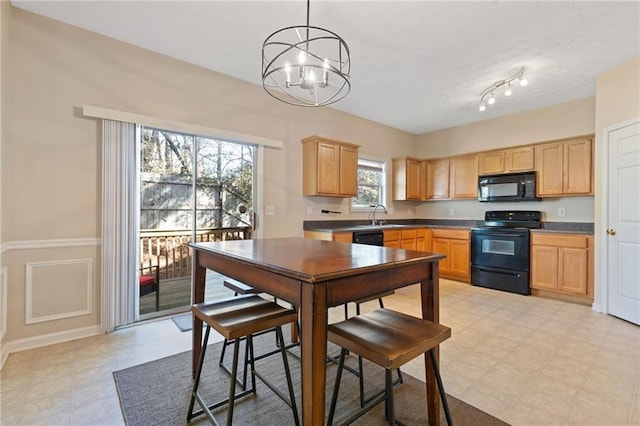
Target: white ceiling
{"x":418,"y":66}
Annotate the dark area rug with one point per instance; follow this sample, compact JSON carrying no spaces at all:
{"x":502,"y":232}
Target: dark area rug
{"x":158,"y":393}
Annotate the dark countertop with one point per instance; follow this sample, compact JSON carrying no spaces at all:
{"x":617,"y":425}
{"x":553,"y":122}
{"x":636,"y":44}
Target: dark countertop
{"x":359,"y":225}
{"x":559,"y":231}
{"x":580,"y":228}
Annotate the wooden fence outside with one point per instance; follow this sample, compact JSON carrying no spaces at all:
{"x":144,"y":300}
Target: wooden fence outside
{"x":170,"y":249}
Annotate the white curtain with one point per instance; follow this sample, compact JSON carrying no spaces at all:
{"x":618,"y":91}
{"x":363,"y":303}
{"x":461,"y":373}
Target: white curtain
{"x":119,"y":224}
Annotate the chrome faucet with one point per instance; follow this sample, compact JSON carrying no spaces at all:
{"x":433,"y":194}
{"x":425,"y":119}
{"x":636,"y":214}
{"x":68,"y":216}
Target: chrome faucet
{"x":373,"y":216}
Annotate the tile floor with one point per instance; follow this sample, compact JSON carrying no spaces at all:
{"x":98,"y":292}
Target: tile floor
{"x":526,"y":360}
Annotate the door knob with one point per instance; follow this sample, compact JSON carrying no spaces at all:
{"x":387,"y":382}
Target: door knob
{"x":611,"y":231}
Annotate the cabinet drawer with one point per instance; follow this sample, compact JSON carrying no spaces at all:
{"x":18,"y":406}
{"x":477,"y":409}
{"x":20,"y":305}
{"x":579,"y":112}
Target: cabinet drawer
{"x":408,"y":233}
{"x":391,"y":235}
{"x":454,"y":234}
{"x":560,"y":240}
{"x":344,"y":237}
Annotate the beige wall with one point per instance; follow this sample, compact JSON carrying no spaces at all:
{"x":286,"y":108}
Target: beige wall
{"x":52,"y":154}
{"x":5,"y":22}
{"x":575,"y":118}
{"x":555,"y":122}
{"x":617,"y":101}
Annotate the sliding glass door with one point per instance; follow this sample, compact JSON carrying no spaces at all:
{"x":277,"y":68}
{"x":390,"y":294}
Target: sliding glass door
{"x":191,"y":189}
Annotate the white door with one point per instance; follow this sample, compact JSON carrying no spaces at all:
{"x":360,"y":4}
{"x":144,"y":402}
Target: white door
{"x":623,"y":241}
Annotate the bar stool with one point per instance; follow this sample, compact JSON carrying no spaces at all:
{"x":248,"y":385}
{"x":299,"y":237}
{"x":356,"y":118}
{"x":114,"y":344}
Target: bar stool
{"x":358,"y":373}
{"x":238,"y":288}
{"x":389,"y":339}
{"x":234,"y":318}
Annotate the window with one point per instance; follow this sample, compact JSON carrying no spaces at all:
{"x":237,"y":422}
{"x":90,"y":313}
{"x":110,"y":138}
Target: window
{"x":371,"y":185}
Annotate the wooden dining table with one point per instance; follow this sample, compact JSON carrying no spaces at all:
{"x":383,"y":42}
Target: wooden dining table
{"x":315,"y":275}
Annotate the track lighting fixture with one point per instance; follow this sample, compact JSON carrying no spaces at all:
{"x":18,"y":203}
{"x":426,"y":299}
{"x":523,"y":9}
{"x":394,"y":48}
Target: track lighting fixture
{"x":488,"y":95}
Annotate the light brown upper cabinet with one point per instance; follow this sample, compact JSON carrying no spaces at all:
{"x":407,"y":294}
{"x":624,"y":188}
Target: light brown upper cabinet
{"x":565,"y":168}
{"x":506,"y":161}
{"x":490,"y":163}
{"x":437,"y":179}
{"x":408,"y":179}
{"x":329,"y":167}
{"x":463,"y":177}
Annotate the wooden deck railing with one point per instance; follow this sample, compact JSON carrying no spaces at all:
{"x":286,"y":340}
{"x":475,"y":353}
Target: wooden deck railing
{"x":170,"y":249}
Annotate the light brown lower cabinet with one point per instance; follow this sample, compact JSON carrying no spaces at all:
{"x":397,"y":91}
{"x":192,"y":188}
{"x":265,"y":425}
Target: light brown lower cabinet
{"x":455,"y":244}
{"x":392,"y":238}
{"x":344,"y":237}
{"x":562,"y":263}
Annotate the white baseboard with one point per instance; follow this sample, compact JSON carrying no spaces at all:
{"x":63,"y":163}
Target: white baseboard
{"x":596,"y":307}
{"x":47,"y":339}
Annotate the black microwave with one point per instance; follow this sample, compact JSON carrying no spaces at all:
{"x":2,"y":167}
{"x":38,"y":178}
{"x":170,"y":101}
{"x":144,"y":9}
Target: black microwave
{"x":508,"y":187}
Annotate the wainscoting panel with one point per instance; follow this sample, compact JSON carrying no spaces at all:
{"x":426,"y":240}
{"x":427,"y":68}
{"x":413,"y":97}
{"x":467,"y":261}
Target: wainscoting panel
{"x":58,"y":289}
{"x":3,"y":302}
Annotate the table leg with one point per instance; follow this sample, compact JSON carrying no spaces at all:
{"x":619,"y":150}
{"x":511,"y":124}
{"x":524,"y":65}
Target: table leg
{"x":198,"y":286}
{"x":313,"y":341}
{"x":429,"y":292}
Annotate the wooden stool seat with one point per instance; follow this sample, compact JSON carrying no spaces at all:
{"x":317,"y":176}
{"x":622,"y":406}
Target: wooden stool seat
{"x":235,"y":318}
{"x":389,"y":339}
{"x":239,"y":287}
{"x":240,"y":316}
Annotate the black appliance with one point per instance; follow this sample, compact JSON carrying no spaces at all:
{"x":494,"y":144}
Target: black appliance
{"x":372,"y":238}
{"x":500,"y":250}
{"x":508,"y":187}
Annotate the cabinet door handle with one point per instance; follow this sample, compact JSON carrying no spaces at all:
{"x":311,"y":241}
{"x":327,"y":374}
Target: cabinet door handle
{"x":611,"y":231}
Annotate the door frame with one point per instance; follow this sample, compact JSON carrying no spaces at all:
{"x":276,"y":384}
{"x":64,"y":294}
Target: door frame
{"x":601,"y":243}
{"x":258,"y":179}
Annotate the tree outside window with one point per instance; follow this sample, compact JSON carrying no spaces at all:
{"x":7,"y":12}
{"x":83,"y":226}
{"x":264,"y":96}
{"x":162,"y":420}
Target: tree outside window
{"x":371,"y":185}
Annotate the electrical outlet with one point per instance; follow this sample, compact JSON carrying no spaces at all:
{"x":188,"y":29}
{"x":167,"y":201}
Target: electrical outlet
{"x":562,"y":212}
{"x":309,"y":210}
{"x":452,"y":212}
{"x":270,"y":210}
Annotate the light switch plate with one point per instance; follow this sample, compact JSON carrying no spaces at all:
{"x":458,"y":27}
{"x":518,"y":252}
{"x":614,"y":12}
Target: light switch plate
{"x":270,"y":210}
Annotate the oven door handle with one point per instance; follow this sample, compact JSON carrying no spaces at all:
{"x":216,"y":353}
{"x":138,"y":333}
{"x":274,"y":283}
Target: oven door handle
{"x":496,"y":271}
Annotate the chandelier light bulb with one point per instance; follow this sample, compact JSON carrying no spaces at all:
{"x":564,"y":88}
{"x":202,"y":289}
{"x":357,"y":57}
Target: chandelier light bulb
{"x":325,"y":72}
{"x":492,"y":99}
{"x":287,"y":70}
{"x":508,"y":92}
{"x":302,"y":57}
{"x":483,"y":107}
{"x":523,"y":80}
{"x":311,"y":77}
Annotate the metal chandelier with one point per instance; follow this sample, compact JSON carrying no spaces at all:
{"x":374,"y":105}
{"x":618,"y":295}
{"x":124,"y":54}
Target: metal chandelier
{"x":306,"y":66}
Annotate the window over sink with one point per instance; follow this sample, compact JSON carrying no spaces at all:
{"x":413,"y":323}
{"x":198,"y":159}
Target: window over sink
{"x":371,"y":185}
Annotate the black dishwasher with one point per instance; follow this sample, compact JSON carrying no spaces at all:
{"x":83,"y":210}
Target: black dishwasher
{"x":371,"y":238}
